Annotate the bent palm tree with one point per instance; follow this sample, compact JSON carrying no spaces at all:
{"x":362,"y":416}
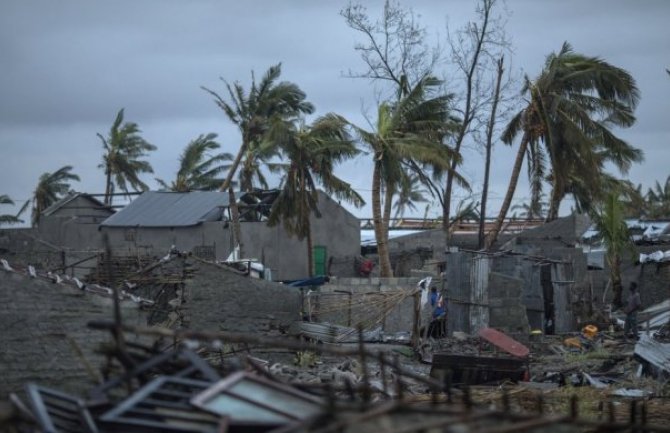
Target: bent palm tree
{"x":8,"y":219}
{"x":312,"y":153}
{"x":252,"y":113}
{"x":198,"y":170}
{"x":571,"y":106}
{"x":410,"y":130}
{"x":51,"y":187}
{"x":122,"y":163}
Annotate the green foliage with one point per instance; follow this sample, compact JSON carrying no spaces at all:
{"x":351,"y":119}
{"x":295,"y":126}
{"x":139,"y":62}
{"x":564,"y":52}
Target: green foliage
{"x":571,"y":107}
{"x":8,"y":219}
{"x":610,"y":222}
{"x":312,"y":153}
{"x":657,"y":201}
{"x":408,"y":133}
{"x":51,"y":187}
{"x":411,"y":190}
{"x":122,"y":161}
{"x":609,"y":219}
{"x":306,"y":359}
{"x":266,"y":102}
{"x":198,"y":169}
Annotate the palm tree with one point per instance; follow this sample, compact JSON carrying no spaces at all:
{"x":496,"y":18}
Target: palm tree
{"x":198,"y":169}
{"x":570,"y":108}
{"x":465,"y":210}
{"x":533,"y":209}
{"x":658,"y":200}
{"x":312,"y":153}
{"x":8,"y":219}
{"x":610,"y":222}
{"x":252,"y":112}
{"x":410,"y":130}
{"x":51,"y":187}
{"x":411,"y":190}
{"x":122,"y":163}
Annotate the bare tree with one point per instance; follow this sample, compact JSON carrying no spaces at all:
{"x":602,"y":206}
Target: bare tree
{"x":474,"y":51}
{"x":394,"y":47}
{"x":395,"y":52}
{"x":489,"y":147}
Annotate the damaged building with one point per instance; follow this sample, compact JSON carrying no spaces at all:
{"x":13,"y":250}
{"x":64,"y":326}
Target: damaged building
{"x":79,"y":227}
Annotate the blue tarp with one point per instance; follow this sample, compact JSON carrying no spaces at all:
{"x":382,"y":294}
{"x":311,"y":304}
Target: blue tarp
{"x":314,"y":281}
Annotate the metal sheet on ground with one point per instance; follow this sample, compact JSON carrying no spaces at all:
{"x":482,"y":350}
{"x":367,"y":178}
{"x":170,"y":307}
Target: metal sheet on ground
{"x":504,"y":342}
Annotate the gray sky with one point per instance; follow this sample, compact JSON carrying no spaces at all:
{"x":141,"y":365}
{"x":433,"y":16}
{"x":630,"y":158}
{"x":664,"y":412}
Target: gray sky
{"x":68,"y":66}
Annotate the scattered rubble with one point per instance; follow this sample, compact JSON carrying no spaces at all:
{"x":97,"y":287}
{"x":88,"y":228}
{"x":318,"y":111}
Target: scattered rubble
{"x":323,"y":377}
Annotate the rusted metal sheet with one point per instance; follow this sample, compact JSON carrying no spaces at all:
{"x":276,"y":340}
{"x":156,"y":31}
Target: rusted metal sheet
{"x":504,"y":342}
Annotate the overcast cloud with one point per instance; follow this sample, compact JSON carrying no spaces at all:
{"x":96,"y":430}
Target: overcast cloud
{"x":68,"y":66}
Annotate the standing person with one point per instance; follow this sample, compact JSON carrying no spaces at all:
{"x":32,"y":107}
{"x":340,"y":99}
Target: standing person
{"x":433,"y":296}
{"x":438,"y":319}
{"x":632,"y":306}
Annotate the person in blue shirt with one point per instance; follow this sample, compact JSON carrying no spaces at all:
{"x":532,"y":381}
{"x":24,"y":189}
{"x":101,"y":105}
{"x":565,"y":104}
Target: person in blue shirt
{"x":433,"y":296}
{"x":437,"y":328}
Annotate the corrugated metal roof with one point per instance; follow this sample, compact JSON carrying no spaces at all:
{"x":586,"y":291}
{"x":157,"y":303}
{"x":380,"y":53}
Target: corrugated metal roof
{"x":170,"y":209}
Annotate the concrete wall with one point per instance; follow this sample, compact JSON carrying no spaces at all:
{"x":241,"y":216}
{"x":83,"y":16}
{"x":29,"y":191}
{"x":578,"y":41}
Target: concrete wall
{"x":70,"y":233}
{"x":529,"y":272}
{"x":653,"y":278}
{"x":367,"y":301}
{"x":43,"y":324}
{"x":507,"y":311}
{"x":216,"y":299}
{"x":74,"y":225}
{"x":156,"y":242}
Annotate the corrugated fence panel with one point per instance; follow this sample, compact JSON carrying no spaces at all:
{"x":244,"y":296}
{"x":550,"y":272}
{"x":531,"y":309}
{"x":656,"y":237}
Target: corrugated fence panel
{"x":479,"y":298}
{"x":561,"y":277}
{"x":458,"y":292}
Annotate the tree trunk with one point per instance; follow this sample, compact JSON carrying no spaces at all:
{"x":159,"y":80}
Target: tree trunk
{"x":235,"y":215}
{"x":489,"y":146}
{"x":554,"y":201}
{"x":310,"y":247}
{"x":233,"y":168}
{"x":388,"y":202}
{"x":382,"y":246}
{"x":514,"y":179}
{"x":108,"y":188}
{"x":617,"y":286}
{"x":468,"y":114}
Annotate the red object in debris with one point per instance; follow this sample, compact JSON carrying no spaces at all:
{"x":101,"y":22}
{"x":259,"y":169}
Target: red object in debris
{"x":366,"y":267}
{"x":504,"y":342}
